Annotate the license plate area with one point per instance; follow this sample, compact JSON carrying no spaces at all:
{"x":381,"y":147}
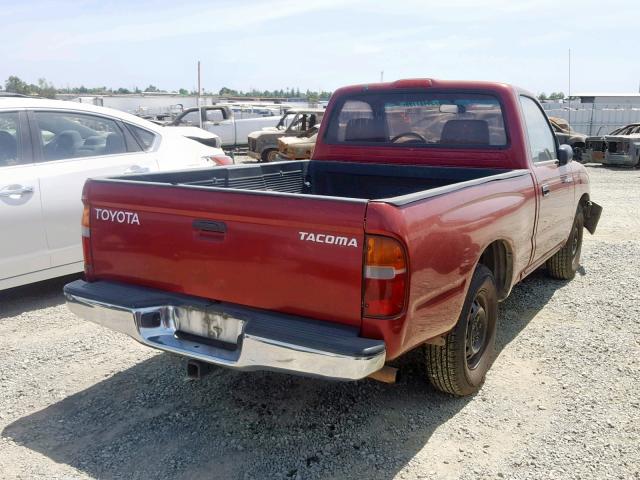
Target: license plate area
{"x":208,"y":324}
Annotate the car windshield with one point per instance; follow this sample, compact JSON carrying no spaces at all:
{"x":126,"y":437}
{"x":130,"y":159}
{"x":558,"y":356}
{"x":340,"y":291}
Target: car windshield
{"x":626,"y":130}
{"x":422,"y":119}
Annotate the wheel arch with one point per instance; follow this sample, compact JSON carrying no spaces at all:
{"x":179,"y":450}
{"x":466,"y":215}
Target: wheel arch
{"x":498,"y":257}
{"x":584,"y":201}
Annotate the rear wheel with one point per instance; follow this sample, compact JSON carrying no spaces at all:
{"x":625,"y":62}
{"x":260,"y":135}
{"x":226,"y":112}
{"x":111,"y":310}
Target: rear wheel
{"x":459,"y":366}
{"x":564,"y":264}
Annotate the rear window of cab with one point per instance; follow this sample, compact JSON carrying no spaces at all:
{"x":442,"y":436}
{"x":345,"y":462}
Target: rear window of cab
{"x":418,"y":119}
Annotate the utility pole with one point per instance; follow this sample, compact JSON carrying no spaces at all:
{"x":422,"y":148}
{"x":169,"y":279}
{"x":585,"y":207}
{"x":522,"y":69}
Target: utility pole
{"x":382,"y":76}
{"x":198,"y":98}
{"x":569,"y":121}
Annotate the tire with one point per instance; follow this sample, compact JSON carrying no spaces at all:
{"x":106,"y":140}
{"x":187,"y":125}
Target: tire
{"x":460,"y":365}
{"x":269,"y":155}
{"x":564,"y":263}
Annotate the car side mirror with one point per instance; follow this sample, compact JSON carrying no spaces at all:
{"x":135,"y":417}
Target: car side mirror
{"x":448,"y":108}
{"x":565,"y":154}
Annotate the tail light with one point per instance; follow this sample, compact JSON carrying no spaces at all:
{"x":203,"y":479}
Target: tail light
{"x":86,"y":240}
{"x":385,"y":277}
{"x":219,"y":159}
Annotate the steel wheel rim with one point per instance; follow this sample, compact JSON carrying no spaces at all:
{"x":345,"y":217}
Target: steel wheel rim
{"x":477,"y":332}
{"x":575,"y":241}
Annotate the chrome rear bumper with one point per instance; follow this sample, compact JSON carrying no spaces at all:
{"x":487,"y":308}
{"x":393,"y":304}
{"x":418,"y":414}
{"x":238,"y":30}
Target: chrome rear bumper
{"x":236,"y":337}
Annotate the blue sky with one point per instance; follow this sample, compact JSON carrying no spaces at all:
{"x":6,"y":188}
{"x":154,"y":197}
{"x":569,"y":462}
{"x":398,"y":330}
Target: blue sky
{"x":321,"y":44}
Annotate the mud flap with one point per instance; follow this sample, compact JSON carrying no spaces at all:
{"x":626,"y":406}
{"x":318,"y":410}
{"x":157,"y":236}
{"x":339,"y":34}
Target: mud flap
{"x":592,"y":216}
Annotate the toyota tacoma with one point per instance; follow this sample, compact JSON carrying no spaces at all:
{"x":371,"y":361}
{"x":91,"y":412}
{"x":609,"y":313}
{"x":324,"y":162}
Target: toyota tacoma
{"x":424,"y":203}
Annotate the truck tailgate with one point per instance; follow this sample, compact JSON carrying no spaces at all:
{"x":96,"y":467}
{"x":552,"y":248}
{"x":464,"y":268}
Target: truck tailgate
{"x":253,"y":249}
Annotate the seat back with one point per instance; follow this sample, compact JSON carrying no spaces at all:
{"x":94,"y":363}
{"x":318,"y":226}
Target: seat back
{"x":64,"y":145}
{"x":8,"y":148}
{"x":472,"y":132}
{"x":115,"y":144}
{"x":364,"y":130}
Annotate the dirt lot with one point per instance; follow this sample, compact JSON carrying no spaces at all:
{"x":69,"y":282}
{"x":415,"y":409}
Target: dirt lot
{"x":78,"y":401}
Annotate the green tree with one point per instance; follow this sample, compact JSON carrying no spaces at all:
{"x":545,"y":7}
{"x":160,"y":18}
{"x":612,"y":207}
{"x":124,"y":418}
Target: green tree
{"x":227,"y":91}
{"x":542,"y":97}
{"x":183,"y":91}
{"x":151,"y":88}
{"x":45,"y":89}
{"x":14,"y":84}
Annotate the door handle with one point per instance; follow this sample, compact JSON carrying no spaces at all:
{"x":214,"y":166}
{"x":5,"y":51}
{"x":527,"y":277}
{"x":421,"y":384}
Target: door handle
{"x":210,"y":230}
{"x":210,"y":226}
{"x":136,"y":169}
{"x":15,"y":191}
{"x":567,"y":179}
{"x":545,"y":190}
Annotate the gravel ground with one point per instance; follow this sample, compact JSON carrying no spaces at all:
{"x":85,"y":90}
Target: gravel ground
{"x":561,"y":401}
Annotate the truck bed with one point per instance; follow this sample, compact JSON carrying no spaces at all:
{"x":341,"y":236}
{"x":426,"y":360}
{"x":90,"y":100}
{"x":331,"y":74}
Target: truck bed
{"x":332,"y":179}
{"x":219,"y":233}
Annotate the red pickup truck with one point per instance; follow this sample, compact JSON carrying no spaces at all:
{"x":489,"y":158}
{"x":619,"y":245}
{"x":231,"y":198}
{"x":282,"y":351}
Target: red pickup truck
{"x":424,"y":203}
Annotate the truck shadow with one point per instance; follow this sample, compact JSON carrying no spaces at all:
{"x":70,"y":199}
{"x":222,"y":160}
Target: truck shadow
{"x":149,"y":422}
{"x":35,"y":296}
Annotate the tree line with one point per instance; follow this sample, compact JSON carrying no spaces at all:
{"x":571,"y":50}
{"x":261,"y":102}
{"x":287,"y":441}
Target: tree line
{"x":552,"y":96}
{"x":286,"y":93}
{"x":43,"y":88}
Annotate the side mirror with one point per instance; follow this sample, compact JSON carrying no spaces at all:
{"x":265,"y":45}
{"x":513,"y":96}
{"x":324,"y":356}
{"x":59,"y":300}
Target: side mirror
{"x":565,"y":154}
{"x":448,"y":108}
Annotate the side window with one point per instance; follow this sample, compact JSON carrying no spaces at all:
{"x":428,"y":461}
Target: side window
{"x":73,"y":135}
{"x":9,"y":139}
{"x":144,"y":137}
{"x":542,"y":142}
{"x":354,"y":121}
{"x":214,"y":115}
{"x":190,"y":119}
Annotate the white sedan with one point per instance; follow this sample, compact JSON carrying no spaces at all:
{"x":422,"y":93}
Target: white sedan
{"x":48,"y":148}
